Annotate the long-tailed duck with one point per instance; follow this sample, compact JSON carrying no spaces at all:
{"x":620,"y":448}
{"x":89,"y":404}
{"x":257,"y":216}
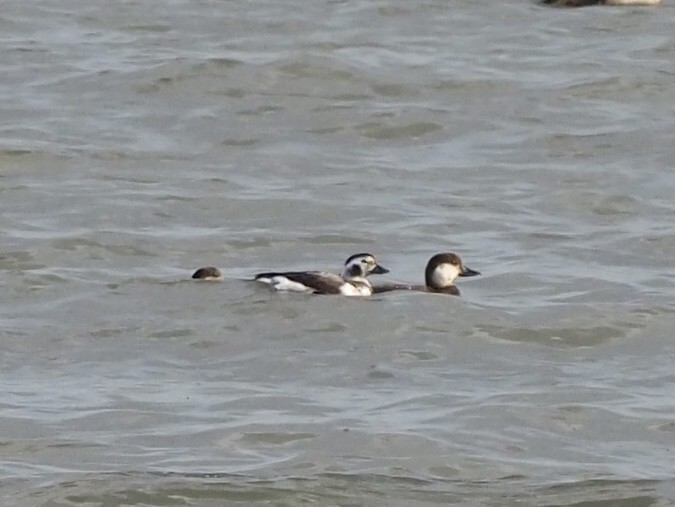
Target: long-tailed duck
{"x":439,"y":275}
{"x":352,"y":282}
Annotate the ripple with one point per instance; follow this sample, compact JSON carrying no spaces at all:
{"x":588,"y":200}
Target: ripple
{"x":270,"y":438}
{"x":171,"y":333}
{"x":418,"y":355}
{"x":19,"y":260}
{"x":376,"y":130}
{"x":572,"y":337}
{"x":138,"y":145}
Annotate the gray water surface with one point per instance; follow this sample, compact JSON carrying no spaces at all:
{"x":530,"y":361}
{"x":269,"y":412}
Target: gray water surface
{"x":141,"y":140}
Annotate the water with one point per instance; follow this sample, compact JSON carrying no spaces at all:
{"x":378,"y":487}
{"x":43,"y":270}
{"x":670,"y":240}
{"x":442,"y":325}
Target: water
{"x":141,"y":140}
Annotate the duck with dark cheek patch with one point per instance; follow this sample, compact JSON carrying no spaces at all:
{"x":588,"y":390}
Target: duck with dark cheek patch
{"x":352,"y":282}
{"x":439,"y":276}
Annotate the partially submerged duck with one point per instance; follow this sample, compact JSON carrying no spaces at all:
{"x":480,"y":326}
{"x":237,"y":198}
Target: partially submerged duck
{"x":352,"y":282}
{"x":439,"y":275}
{"x":586,"y":3}
{"x":207,"y":273}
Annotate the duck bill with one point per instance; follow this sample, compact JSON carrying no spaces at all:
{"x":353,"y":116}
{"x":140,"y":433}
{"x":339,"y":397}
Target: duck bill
{"x":379,"y":270}
{"x":468,"y":272}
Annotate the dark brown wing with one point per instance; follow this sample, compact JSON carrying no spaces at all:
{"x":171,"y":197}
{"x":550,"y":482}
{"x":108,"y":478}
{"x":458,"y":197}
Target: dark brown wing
{"x":320,"y":282}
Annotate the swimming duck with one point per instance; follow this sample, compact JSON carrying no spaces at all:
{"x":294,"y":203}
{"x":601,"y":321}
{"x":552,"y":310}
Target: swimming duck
{"x":585,"y":3}
{"x":207,"y":273}
{"x":439,"y":275}
{"x":352,"y":282}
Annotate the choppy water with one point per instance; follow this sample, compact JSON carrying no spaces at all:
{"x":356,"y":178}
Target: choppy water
{"x":140,"y":140}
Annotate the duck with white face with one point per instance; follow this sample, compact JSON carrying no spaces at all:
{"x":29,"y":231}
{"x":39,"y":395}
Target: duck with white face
{"x":439,"y":276}
{"x":352,"y":282}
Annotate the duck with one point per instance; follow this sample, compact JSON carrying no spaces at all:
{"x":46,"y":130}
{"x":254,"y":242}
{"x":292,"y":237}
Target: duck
{"x":439,"y":275}
{"x":352,"y":281}
{"x":585,"y":3}
{"x":209,"y":273}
